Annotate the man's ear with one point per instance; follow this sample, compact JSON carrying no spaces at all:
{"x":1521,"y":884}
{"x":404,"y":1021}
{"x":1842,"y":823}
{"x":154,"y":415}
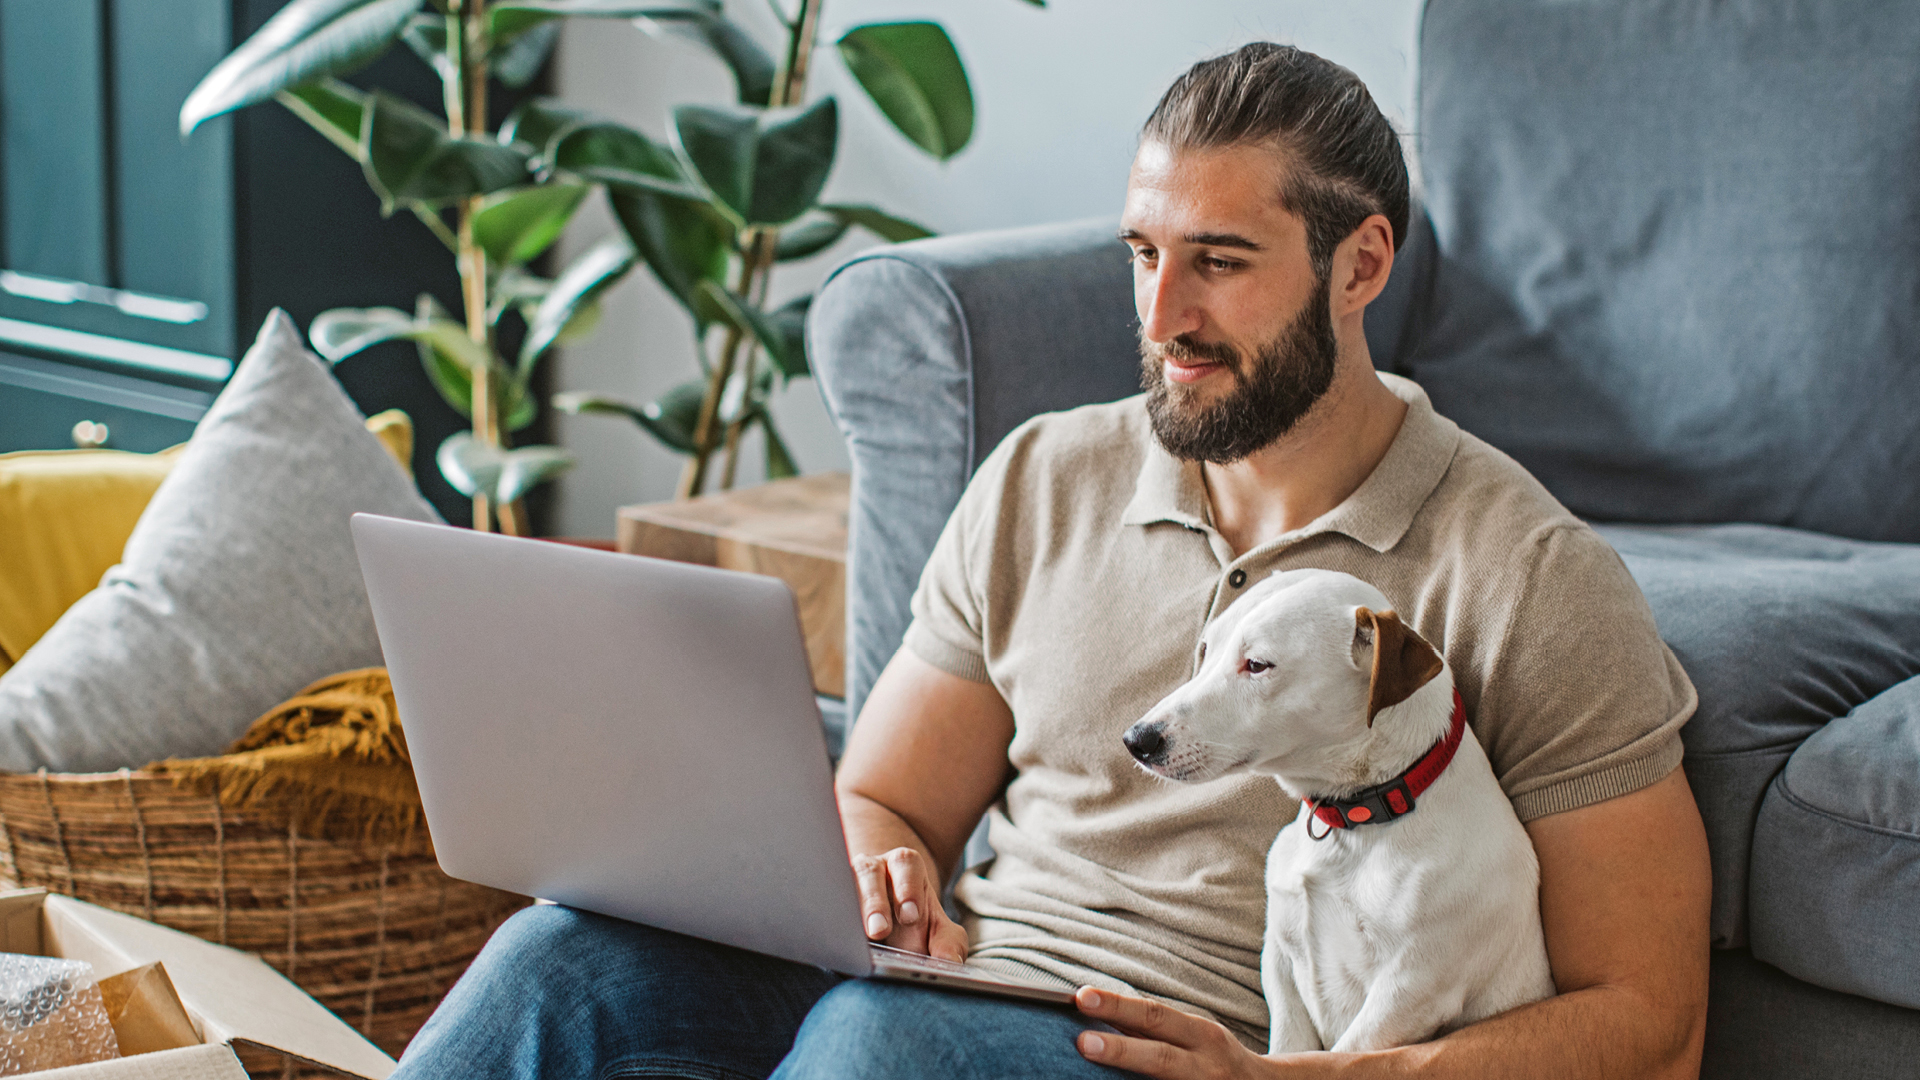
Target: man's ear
{"x":1402,"y":660}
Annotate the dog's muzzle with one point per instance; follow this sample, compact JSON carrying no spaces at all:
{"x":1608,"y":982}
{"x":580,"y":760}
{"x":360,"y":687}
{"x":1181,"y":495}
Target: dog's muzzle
{"x":1147,"y":742}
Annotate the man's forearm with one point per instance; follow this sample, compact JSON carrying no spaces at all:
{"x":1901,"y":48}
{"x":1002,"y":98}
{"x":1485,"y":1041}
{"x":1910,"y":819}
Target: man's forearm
{"x":872,"y":828}
{"x":1600,"y":1033}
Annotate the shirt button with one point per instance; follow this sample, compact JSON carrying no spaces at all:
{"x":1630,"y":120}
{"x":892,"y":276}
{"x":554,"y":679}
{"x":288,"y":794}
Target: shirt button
{"x":1237,"y":578}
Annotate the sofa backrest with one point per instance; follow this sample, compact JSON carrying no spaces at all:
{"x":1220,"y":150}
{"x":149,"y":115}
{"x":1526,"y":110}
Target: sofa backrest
{"x":1678,"y":270}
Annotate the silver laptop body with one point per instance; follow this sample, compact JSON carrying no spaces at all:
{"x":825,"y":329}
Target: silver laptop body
{"x":629,"y":736}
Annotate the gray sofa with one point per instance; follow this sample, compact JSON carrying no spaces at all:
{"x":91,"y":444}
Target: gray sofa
{"x":1669,"y":259}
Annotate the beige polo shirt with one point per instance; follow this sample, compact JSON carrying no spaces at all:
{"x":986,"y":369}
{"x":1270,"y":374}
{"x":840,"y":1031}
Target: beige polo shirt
{"x":1076,"y":575}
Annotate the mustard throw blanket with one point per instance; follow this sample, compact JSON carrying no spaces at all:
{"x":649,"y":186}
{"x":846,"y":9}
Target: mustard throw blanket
{"x":331,"y":761}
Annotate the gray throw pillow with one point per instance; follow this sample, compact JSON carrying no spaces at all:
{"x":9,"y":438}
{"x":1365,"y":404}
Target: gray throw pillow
{"x":238,"y":587}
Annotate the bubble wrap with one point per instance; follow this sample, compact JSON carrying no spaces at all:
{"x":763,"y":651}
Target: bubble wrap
{"x":51,"y":1015}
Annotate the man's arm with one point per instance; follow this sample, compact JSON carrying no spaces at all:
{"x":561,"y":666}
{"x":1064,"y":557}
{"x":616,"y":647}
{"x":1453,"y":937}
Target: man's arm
{"x":925,"y":760}
{"x":1624,"y":889}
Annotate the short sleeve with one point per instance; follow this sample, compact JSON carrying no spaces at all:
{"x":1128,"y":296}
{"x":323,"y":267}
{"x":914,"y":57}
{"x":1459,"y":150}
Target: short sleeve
{"x":948,"y":627}
{"x":1579,"y":701}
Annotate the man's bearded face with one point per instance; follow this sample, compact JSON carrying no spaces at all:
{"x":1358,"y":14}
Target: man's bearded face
{"x":1271,"y":391}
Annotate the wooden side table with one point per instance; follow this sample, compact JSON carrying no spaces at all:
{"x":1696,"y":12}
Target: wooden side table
{"x":795,"y":530}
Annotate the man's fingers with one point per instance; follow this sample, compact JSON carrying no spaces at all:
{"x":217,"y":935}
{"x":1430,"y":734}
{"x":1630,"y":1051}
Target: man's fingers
{"x":908,"y":878}
{"x":1146,"y":1057}
{"x":876,"y":901}
{"x":948,"y":940}
{"x":1140,"y":1016}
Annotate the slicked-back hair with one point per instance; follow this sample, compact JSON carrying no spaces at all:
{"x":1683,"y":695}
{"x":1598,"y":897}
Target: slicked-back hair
{"x":1342,"y":157}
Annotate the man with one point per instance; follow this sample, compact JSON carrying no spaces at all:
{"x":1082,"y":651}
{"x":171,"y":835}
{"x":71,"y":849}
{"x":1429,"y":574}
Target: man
{"x":1067,"y":595}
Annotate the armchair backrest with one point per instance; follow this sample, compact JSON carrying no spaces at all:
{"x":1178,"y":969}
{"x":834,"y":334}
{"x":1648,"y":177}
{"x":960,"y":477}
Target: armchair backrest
{"x":1678,"y":271}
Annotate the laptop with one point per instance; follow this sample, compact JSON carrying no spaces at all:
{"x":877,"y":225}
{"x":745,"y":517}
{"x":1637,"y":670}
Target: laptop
{"x":630,"y":736}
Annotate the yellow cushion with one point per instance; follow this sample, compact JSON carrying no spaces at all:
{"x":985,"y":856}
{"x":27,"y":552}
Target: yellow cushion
{"x":65,"y":516}
{"x":395,"y":431}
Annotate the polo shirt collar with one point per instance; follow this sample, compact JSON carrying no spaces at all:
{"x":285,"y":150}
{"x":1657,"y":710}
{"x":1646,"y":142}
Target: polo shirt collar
{"x":1377,"y":514}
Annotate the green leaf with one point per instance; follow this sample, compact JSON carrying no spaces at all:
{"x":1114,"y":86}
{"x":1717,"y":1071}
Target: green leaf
{"x":330,"y":107}
{"x":880,"y":223}
{"x":408,"y":157}
{"x":753,"y":70}
{"x":426,"y":35}
{"x":516,"y":60}
{"x":684,"y":242}
{"x":762,"y":167}
{"x":532,"y":125}
{"x":516,"y":226}
{"x":677,"y":414}
{"x":303,"y":41}
{"x":780,"y":333}
{"x":621,"y":157}
{"x":475,"y":468}
{"x":451,"y":376}
{"x":780,"y":464}
{"x":589,"y":276}
{"x":789,"y":321}
{"x":912,"y":72}
{"x":588,"y":403}
{"x":342,"y":332}
{"x":670,"y":418}
{"x":508,"y":19}
{"x":808,"y":238}
{"x":448,"y":354}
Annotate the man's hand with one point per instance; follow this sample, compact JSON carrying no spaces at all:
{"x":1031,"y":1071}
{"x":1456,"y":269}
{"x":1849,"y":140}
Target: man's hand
{"x":900,"y":904}
{"x":1162,"y":1041}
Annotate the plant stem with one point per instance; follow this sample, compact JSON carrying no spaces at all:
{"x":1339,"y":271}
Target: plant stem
{"x":706,"y":430}
{"x":755,"y":271}
{"x":466,"y":104}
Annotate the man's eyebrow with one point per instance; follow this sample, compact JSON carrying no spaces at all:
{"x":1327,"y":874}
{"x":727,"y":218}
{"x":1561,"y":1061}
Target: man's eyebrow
{"x":1226,"y":240}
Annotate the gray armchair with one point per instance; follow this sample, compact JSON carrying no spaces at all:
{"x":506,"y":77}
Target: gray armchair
{"x":1670,"y":261}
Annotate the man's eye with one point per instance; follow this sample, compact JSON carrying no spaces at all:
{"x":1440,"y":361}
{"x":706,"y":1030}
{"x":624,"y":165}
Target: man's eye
{"x":1250,"y":666}
{"x":1221,"y":264}
{"x":1146,"y":255}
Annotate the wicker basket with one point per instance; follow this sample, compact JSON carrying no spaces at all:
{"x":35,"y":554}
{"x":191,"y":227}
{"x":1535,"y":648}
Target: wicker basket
{"x":373,"y":930}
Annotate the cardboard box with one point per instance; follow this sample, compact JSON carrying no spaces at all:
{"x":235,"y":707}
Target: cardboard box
{"x":230,"y":996}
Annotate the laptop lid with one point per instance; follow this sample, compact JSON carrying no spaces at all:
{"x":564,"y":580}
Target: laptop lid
{"x":616,"y":733}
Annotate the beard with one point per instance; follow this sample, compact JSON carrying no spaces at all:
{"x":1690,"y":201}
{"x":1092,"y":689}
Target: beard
{"x":1285,"y":379}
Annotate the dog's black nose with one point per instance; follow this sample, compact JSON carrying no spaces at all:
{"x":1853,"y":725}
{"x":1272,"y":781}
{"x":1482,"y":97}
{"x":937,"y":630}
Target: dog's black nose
{"x":1145,"y":742}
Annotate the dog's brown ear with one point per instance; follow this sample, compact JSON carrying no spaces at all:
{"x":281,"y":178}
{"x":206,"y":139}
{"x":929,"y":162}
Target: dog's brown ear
{"x":1402,"y":660}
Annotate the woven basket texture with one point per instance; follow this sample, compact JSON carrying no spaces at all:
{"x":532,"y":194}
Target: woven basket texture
{"x":372,"y":929}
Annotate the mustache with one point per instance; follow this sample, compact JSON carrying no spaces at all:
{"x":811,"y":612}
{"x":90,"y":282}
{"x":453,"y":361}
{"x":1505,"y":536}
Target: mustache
{"x":1189,"y":348}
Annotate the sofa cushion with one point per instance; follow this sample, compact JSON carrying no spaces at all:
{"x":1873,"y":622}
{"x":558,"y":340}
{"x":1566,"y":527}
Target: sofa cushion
{"x":1676,"y":271}
{"x":1782,"y":631}
{"x":64,"y":517}
{"x":1836,"y":855}
{"x":238,"y":586}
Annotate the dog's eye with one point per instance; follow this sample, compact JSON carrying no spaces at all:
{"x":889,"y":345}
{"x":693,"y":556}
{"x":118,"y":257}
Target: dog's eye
{"x":1250,"y":666}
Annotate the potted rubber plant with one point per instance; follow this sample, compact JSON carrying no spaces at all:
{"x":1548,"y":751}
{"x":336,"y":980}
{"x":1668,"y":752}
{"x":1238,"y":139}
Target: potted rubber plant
{"x":757,"y":167}
{"x":486,"y":192}
{"x":735,"y":192}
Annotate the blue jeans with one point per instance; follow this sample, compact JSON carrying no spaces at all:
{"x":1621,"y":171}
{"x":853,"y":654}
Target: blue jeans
{"x":559,"y":993}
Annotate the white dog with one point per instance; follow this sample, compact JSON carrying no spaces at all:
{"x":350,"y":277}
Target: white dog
{"x":1403,"y":902}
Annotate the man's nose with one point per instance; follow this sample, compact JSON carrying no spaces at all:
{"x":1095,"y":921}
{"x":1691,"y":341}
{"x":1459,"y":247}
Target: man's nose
{"x":1147,"y":742}
{"x":1166,"y":306}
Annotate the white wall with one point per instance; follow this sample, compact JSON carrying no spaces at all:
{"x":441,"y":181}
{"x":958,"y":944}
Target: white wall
{"x":1059,"y":94}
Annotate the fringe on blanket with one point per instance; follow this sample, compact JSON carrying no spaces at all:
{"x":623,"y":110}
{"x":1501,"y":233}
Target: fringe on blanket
{"x":332,"y":761}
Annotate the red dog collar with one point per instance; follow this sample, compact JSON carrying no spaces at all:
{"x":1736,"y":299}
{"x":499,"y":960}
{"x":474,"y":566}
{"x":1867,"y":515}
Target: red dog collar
{"x":1395,"y":798}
